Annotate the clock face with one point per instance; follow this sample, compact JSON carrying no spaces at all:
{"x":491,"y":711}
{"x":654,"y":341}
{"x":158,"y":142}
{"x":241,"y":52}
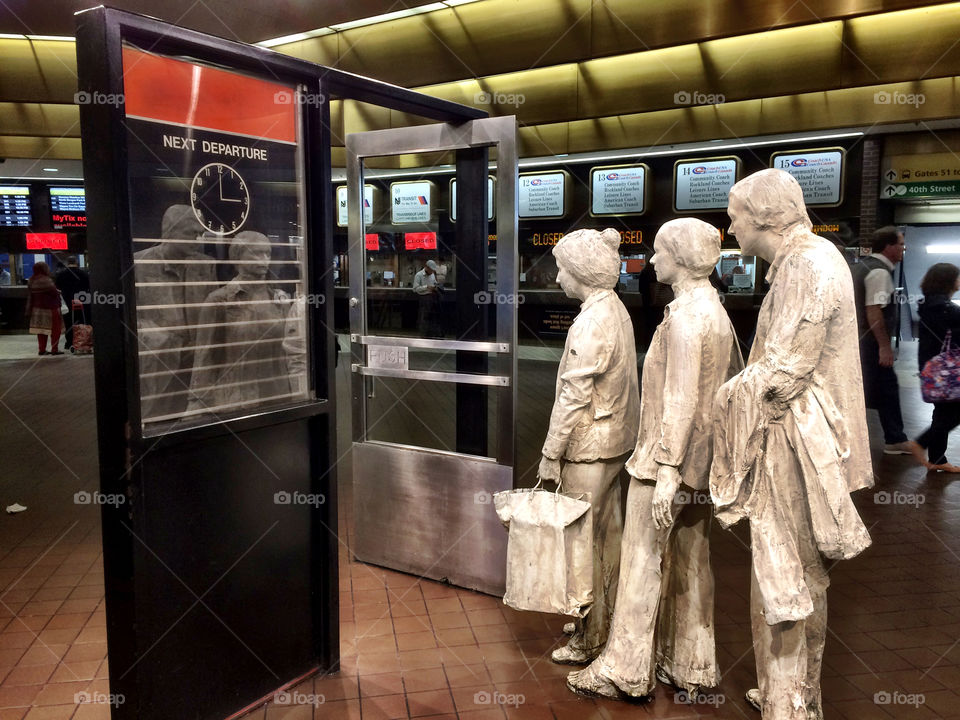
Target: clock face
{"x":220,"y":198}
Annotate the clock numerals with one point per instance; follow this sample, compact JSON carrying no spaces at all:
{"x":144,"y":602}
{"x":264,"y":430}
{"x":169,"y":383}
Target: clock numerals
{"x":220,"y":198}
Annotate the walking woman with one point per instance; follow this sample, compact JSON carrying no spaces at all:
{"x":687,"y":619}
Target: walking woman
{"x":938,"y":316}
{"x":43,"y":309}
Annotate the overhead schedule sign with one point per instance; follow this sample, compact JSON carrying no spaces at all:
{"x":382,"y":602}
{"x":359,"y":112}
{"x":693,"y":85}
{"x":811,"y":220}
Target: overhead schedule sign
{"x":15,"y":206}
{"x":543,"y":195}
{"x":412,"y":201}
{"x":704,"y":183}
{"x":68,"y":207}
{"x":618,"y":189}
{"x":819,"y":172}
{"x":368,"y":202}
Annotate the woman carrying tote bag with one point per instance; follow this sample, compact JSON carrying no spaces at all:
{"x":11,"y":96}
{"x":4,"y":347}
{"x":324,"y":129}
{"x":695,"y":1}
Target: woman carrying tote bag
{"x":939,"y":326}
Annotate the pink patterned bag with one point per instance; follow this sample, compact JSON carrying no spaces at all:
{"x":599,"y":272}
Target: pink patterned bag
{"x":940,"y":377}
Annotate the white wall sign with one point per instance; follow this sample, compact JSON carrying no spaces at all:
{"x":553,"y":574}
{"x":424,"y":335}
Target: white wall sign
{"x":618,"y":190}
{"x":704,"y":183}
{"x":819,"y":172}
{"x":342,"y":205}
{"x":412,"y":202}
{"x":453,"y":198}
{"x":542,"y":194}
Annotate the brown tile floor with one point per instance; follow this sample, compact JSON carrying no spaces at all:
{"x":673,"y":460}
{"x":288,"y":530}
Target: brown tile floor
{"x":415,"y":648}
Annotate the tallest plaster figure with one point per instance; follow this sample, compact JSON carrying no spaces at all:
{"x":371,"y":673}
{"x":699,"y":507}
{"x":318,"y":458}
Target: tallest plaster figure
{"x":791,"y":440}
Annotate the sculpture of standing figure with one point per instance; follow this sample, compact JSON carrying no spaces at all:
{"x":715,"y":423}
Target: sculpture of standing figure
{"x":595,"y":416}
{"x":663,"y":621}
{"x":791,"y":440}
{"x":173,"y":279}
{"x":241,"y":360}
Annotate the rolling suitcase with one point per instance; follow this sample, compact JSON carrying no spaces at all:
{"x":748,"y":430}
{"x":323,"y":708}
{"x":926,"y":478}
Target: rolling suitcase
{"x":82,"y":333}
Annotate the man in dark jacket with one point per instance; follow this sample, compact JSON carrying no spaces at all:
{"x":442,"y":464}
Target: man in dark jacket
{"x":73,"y":282}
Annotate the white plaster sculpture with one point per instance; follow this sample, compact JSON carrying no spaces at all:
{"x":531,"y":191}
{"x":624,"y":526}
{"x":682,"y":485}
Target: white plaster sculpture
{"x":663,"y":628}
{"x":791,"y":440}
{"x":242,"y":359}
{"x":595,"y":417}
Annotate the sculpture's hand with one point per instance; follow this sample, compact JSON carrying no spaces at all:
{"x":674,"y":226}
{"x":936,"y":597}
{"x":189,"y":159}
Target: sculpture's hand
{"x":668,"y":482}
{"x":549,"y":469}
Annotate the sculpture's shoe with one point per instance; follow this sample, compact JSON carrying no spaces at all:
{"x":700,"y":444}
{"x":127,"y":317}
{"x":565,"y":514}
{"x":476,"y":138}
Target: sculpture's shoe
{"x":753,"y":698}
{"x":590,"y":683}
{"x":570,"y":655}
{"x":692,"y":690}
{"x":569,"y":628}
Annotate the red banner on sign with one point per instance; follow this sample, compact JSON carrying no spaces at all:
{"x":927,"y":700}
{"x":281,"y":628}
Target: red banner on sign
{"x":185,"y":93}
{"x":420,"y":241}
{"x":372,"y":241}
{"x":46,"y":241}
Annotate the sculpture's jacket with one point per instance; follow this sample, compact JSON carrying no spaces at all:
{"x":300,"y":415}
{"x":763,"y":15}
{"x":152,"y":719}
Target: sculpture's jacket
{"x":693,"y":352}
{"x":804,"y":374}
{"x":597,"y":407}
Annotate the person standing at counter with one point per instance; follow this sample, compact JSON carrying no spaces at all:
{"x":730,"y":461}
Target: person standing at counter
{"x":595,"y":417}
{"x":427,"y":285}
{"x":43,"y":309}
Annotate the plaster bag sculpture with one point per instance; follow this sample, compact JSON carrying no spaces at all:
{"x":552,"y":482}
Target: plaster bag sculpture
{"x":791,"y":440}
{"x":549,"y":551}
{"x":594,"y":418}
{"x":663,"y":624}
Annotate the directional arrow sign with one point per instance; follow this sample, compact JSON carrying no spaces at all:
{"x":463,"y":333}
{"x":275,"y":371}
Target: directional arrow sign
{"x":936,"y":188}
{"x":891,"y":175}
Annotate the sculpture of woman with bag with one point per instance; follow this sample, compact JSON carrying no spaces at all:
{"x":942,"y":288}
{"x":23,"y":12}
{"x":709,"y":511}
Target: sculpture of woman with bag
{"x":596,"y":412}
{"x":939,"y":329}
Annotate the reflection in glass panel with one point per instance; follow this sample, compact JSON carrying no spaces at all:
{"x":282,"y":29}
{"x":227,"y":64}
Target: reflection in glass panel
{"x":217,"y":223}
{"x":423,"y":413}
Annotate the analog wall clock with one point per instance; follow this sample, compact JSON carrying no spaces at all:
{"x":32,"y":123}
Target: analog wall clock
{"x":220,"y":198}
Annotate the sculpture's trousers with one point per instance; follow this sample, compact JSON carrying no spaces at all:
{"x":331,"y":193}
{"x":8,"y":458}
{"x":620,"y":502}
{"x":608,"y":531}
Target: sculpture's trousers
{"x":789,"y":654}
{"x":664,"y":614}
{"x":601,"y":480}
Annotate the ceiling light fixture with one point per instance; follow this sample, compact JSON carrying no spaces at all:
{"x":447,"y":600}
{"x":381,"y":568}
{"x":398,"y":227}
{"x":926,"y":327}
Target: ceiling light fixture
{"x":943,"y":248}
{"x":362,"y":22}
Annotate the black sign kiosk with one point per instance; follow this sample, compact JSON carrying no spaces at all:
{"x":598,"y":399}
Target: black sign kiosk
{"x":207,"y":166}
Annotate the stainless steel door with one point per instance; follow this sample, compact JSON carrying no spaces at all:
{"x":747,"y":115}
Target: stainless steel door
{"x":423,"y":505}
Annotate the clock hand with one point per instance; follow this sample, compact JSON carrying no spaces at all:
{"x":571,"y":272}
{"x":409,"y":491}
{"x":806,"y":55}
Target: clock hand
{"x":220,"y":186}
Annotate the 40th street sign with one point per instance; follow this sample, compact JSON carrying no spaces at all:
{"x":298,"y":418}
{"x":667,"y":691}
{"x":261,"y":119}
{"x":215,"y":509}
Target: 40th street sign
{"x":937,"y":188}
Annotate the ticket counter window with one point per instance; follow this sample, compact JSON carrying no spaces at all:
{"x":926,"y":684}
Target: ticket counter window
{"x":737,"y":272}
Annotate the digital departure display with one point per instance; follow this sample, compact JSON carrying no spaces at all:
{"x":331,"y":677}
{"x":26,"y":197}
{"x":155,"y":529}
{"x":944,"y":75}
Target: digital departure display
{"x":15,"y":206}
{"x":68,"y":207}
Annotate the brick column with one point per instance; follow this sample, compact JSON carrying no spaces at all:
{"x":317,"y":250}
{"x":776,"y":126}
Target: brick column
{"x":869,"y":190}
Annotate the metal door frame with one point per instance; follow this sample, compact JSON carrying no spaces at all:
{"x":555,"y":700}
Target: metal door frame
{"x":437,"y":485}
